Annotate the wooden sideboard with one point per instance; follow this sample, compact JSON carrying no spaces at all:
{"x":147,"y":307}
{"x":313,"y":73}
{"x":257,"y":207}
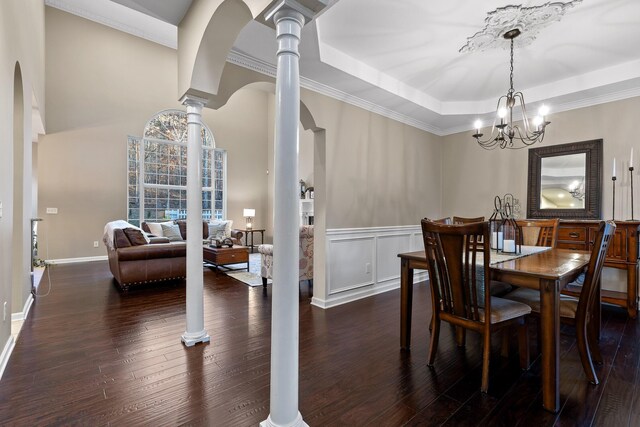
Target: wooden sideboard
{"x":623,"y":254}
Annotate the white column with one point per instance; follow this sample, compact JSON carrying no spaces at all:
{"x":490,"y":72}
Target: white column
{"x":195,"y":332}
{"x":284,"y":317}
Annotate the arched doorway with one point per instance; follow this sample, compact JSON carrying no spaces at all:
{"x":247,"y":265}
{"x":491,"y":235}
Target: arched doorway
{"x":21,"y":200}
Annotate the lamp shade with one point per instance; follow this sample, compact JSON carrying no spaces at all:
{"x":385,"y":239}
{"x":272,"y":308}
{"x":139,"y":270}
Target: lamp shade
{"x":249,"y":213}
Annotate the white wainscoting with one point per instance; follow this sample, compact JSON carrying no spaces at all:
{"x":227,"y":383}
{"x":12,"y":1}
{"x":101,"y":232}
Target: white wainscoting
{"x":362,"y":262}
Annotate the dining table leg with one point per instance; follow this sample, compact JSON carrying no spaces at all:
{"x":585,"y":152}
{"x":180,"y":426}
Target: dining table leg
{"x":406,"y":304}
{"x":550,"y":334}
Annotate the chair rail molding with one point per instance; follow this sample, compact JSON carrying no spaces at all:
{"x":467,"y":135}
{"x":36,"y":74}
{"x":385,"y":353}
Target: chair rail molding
{"x":362,"y":262}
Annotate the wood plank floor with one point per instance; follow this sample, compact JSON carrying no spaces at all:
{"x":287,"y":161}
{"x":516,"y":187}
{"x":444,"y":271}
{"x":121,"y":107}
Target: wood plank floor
{"x":91,"y":355}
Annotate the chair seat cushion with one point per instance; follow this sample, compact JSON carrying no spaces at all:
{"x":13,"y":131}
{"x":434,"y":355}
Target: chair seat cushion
{"x":502,"y":310}
{"x":531,"y":297}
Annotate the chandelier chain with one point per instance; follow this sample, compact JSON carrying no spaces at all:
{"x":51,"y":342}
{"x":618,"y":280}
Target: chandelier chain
{"x":511,"y":69}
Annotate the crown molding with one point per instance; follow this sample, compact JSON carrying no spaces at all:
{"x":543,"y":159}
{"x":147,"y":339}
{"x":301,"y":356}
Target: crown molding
{"x":243,"y":60}
{"x":128,"y":20}
{"x":584,"y":102}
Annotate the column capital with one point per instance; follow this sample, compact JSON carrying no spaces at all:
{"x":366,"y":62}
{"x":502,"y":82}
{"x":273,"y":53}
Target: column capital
{"x":193,"y":101}
{"x":308,"y":8}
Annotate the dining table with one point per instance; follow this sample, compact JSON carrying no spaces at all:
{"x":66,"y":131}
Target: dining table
{"x":547,"y":271}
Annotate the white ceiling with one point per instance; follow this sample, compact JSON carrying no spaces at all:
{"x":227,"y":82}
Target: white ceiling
{"x":401,"y":58}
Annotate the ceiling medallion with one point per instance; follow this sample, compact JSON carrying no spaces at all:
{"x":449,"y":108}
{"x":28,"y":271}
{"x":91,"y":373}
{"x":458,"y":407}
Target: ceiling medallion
{"x":529,"y":20}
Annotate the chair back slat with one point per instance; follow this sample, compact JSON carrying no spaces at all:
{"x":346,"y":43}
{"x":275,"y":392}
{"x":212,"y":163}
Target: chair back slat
{"x":459,"y":220}
{"x":604,"y":236}
{"x":452,"y":254}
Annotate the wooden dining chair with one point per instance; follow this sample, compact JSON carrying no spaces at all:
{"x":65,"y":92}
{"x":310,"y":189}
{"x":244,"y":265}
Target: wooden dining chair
{"x":446,"y":220}
{"x":584,"y":311}
{"x":458,"y":220}
{"x":539,"y":232}
{"x":457,"y":293}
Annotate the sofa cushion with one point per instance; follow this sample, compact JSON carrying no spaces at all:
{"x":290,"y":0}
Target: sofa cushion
{"x":183,"y":229}
{"x":135,"y":236}
{"x":120,"y":240}
{"x":172,"y":232}
{"x":155,"y":228}
{"x":220,"y":229}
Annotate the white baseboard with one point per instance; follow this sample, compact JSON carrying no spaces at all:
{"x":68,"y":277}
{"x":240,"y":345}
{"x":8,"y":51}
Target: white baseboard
{"x":6,"y":353}
{"x":334,"y":301}
{"x":361,"y":262}
{"x":22,"y":315}
{"x":73,"y":260}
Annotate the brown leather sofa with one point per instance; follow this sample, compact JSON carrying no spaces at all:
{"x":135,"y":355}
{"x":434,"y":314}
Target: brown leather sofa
{"x":157,"y":261}
{"x":134,"y":261}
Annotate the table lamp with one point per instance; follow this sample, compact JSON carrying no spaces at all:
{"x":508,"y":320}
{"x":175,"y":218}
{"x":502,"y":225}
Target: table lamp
{"x":249,"y":214}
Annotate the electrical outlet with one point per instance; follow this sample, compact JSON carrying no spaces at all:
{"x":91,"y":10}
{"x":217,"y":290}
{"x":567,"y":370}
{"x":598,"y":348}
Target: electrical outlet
{"x":4,"y":312}
{"x":53,"y":211}
{"x":367,"y":268}
{"x":0,"y":209}
{"x":95,"y":244}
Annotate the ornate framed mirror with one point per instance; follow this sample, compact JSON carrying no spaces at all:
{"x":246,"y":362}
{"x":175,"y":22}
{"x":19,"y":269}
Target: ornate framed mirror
{"x":565,"y":181}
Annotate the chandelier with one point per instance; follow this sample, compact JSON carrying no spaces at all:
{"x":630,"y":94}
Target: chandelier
{"x":506,"y":133}
{"x":576,"y":189}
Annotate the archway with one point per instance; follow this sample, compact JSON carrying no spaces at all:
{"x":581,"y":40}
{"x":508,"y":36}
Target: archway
{"x":21,"y":200}
{"x":316,"y":136}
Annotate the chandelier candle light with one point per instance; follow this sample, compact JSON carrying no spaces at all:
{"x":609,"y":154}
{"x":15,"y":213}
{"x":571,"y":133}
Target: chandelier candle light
{"x":507,"y":131}
{"x":613,"y":181}
{"x":249,"y":214}
{"x":631,"y":179}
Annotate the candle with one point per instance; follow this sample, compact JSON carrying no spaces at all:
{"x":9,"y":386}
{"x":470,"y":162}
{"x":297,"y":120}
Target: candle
{"x":613,"y":173}
{"x":509,"y":246}
{"x":499,"y":237}
{"x":631,"y":158}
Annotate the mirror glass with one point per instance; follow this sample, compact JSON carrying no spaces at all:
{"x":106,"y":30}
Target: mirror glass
{"x":562,"y":181}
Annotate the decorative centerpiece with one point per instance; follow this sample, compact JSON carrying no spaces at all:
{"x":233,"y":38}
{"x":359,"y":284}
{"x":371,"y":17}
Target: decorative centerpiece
{"x":495,"y":224}
{"x":511,"y":233}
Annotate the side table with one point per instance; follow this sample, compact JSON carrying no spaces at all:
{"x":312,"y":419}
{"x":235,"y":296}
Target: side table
{"x":248,"y":233}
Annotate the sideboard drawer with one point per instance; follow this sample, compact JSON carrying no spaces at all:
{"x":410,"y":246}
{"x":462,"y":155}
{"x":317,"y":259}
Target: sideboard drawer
{"x":572,"y":234}
{"x":576,"y":246}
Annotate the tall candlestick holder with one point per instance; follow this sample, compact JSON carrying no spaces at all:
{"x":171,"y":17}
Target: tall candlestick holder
{"x":631,"y":179}
{"x":613,"y":182}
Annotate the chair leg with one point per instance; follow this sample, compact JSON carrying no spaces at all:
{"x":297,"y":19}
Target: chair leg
{"x":461,"y":335}
{"x":523,"y":345}
{"x":592,"y":341}
{"x":585,"y":353}
{"x":504,"y":350}
{"x":433,"y":345}
{"x":486,"y":356}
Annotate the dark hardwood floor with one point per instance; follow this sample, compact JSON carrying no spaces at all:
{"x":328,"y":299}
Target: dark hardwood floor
{"x":91,"y":355}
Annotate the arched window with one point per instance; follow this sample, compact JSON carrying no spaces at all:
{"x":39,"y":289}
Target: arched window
{"x":157,"y":164}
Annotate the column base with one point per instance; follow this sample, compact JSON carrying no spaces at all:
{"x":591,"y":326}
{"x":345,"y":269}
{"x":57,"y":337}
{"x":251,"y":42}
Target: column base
{"x":192,"y":339}
{"x":298,"y":422}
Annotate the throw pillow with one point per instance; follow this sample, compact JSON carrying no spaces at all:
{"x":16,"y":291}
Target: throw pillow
{"x":171,"y":231}
{"x":135,"y":236}
{"x":155,"y":228}
{"x":220,"y":229}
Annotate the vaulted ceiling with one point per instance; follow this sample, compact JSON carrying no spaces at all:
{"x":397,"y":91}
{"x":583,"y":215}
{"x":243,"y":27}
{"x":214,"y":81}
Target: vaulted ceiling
{"x":402,"y":59}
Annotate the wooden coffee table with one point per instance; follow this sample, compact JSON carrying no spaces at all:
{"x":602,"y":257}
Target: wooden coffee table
{"x":219,"y":257}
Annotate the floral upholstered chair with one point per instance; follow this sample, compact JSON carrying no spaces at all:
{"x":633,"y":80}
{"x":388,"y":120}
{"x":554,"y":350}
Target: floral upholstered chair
{"x":305,"y":262}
